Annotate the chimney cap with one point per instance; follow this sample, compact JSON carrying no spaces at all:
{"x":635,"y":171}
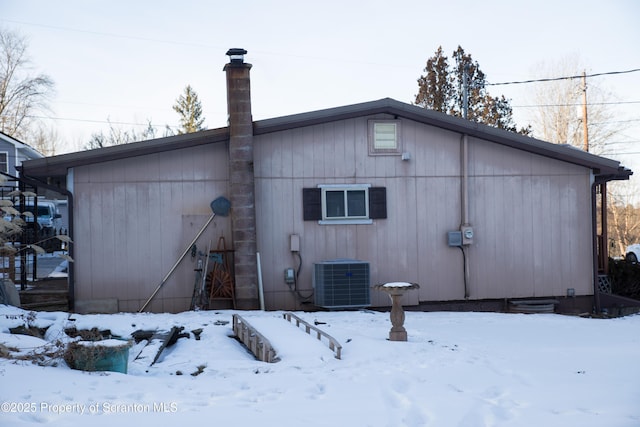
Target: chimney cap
{"x":236,"y":55}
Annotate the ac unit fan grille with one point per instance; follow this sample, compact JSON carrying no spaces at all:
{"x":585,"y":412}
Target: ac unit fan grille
{"x":341,"y":284}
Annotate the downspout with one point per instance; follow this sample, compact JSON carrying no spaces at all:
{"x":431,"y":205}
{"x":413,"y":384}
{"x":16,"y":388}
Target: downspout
{"x":464,"y":160}
{"x":71,"y":273}
{"x":594,"y":235}
{"x":464,"y":166}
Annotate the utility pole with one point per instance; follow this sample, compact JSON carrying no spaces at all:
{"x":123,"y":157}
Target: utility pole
{"x":585,"y":127}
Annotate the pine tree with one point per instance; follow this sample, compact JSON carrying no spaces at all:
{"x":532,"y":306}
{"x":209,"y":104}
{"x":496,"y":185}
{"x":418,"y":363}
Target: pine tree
{"x":190,"y":110}
{"x":441,"y":89}
{"x":436,"y":87}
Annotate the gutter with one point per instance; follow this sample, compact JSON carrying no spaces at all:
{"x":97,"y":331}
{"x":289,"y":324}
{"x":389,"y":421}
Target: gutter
{"x":71,"y":271}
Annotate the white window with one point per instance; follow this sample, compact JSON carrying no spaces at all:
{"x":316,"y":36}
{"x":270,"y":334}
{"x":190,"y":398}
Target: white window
{"x":384,"y":137}
{"x":345,"y":203}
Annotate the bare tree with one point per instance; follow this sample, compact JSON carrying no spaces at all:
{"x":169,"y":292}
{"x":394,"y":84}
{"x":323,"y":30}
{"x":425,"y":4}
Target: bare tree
{"x":44,"y":139}
{"x":22,"y":93}
{"x":558,"y":116}
{"x":623,"y":215}
{"x":118,"y":136}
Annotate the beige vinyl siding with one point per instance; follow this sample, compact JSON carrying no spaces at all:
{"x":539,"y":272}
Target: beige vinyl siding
{"x":532,"y":224}
{"x":136,"y":217}
{"x":530,"y":213}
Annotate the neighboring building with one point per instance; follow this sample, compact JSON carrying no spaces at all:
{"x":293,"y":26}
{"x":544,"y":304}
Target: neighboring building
{"x":469,"y":212}
{"x":13,"y":153}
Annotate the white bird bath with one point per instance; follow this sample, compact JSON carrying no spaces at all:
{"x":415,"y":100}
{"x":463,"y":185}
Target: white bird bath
{"x":396,"y":290}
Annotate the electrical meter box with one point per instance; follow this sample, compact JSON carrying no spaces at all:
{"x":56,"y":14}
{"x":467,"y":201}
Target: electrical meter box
{"x":467,"y":234}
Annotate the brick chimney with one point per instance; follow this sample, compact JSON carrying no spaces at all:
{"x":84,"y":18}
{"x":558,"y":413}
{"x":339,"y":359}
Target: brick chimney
{"x":241,"y":180}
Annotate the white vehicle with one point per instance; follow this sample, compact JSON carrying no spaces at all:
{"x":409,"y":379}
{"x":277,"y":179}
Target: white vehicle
{"x":48,"y":216}
{"x":633,"y":253}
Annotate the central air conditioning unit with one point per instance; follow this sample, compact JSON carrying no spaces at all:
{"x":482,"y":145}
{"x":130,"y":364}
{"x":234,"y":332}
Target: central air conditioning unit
{"x":341,"y":283}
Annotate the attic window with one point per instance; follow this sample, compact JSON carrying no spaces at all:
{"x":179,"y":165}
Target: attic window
{"x":384,"y":137}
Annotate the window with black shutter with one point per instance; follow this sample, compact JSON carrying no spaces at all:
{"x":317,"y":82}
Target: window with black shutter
{"x":312,"y":204}
{"x":378,"y":203}
{"x":344,"y":204}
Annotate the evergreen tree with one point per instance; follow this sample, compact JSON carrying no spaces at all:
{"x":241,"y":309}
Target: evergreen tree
{"x":435,"y":89}
{"x":190,"y":110}
{"x":441,"y":89}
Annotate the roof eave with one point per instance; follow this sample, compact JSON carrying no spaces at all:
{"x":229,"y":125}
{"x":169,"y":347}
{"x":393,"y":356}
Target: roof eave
{"x":58,"y":165}
{"x":600,"y":165}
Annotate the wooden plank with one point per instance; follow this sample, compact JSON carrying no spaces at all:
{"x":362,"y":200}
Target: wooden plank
{"x":253,"y":340}
{"x":333,"y":344}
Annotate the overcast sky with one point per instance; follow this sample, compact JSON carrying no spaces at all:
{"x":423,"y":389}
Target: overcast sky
{"x":127,"y":61}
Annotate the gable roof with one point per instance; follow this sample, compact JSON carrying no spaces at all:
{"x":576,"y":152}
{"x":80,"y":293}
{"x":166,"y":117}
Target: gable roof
{"x":26,"y":149}
{"x":605,"y":168}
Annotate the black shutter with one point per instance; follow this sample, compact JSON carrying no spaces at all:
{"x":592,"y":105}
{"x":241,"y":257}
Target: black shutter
{"x":312,"y":204}
{"x":378,"y":203}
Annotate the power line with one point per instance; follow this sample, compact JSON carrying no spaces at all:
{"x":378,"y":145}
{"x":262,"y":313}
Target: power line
{"x":288,"y":54}
{"x":98,"y":121}
{"x":577,"y":105}
{"x":564,"y":78}
{"x":148,"y":39}
{"x":615,"y":121}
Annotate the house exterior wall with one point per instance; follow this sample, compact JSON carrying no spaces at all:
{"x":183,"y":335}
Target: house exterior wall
{"x":533,"y":225}
{"x":133,"y":219}
{"x":530,"y":214}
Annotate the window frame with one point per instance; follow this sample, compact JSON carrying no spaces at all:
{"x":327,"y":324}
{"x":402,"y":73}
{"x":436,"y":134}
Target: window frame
{"x":375,"y":151}
{"x":346,"y":219}
{"x":4,"y":163}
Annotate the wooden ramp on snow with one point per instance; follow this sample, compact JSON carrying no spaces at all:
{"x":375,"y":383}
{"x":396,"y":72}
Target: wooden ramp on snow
{"x":270,"y":338}
{"x":333,"y":343}
{"x":253,"y":340}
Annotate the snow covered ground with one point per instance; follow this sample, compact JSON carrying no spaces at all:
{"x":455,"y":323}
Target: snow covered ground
{"x":457,"y":369}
